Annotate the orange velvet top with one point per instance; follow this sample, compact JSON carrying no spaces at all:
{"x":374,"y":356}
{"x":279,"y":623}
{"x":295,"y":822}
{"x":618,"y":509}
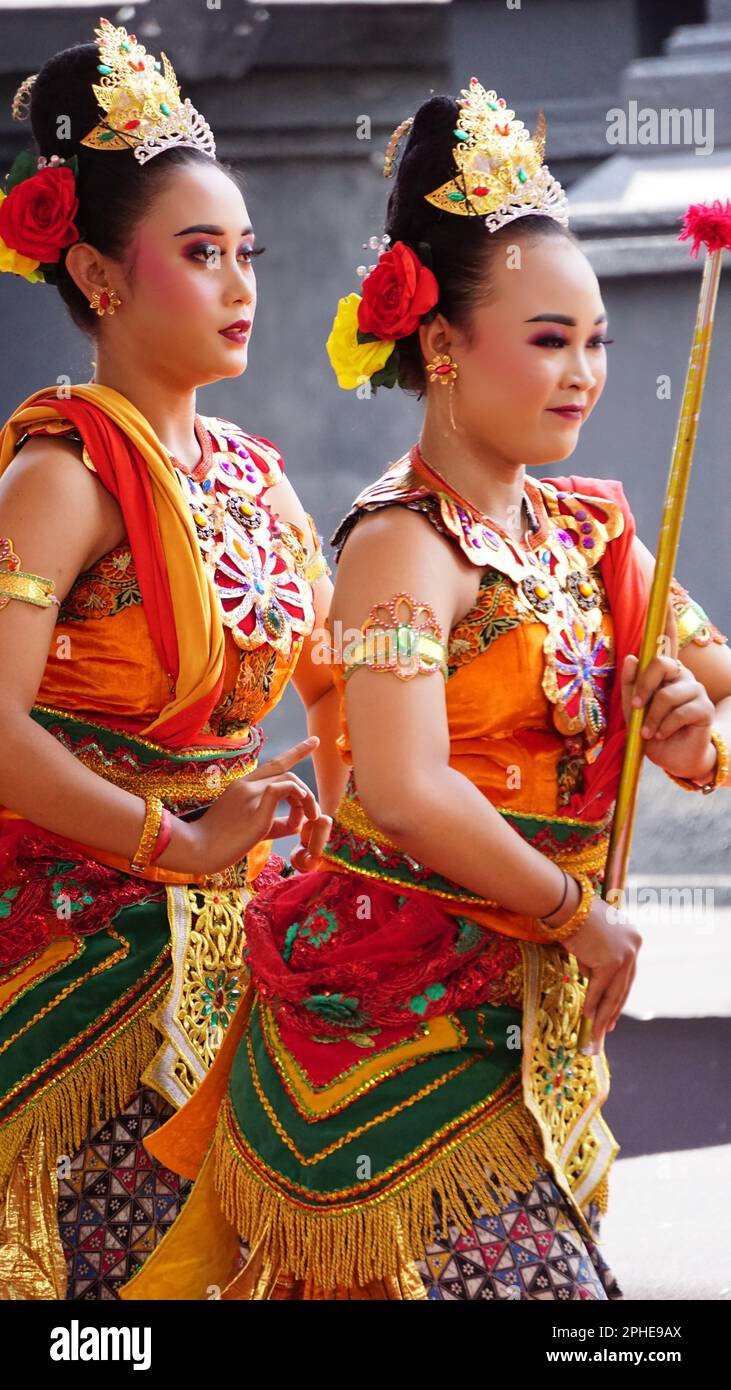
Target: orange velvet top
{"x":102,"y":660}
{"x":103,"y":665}
{"x":531,"y":665}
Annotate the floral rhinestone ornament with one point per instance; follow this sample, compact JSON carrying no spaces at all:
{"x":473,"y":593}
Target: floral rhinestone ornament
{"x":399,"y":293}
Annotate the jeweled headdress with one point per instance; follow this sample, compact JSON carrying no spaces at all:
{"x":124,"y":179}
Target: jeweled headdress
{"x":141,"y":111}
{"x":500,"y":174}
{"x":142,"y":106}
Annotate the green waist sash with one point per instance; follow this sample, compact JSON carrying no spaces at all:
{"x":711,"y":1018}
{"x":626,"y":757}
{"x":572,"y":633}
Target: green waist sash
{"x":331,"y":1181}
{"x":86,"y":950}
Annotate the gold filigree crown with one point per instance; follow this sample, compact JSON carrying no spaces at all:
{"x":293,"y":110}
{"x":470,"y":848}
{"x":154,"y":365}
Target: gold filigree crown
{"x":142,"y":107}
{"x":500,"y":174}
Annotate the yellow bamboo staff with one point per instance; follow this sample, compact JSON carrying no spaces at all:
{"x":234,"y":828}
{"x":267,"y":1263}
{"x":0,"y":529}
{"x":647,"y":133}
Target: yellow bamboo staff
{"x":711,"y":227}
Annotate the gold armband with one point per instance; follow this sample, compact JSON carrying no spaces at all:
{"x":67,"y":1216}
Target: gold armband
{"x":316,"y":565}
{"x":18,"y":583}
{"x":693,"y":623}
{"x":409,"y":645}
{"x":716,"y":778}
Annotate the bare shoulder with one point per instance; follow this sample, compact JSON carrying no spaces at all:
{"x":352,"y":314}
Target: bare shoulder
{"x":395,"y":549}
{"x":58,"y":504}
{"x":282,"y":499}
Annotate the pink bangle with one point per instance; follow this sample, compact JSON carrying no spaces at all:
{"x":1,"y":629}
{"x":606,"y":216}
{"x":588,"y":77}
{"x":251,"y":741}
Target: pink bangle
{"x":163,"y":835}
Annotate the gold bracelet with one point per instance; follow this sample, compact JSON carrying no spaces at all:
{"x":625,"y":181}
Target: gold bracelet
{"x":22,"y":584}
{"x":719,"y":774}
{"x":148,"y":838}
{"x":568,"y":928}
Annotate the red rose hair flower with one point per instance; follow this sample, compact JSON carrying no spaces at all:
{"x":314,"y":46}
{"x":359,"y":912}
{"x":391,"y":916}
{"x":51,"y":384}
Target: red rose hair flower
{"x":396,"y":294}
{"x":36,"y":218}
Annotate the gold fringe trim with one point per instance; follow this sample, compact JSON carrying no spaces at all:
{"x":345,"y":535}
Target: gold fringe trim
{"x":600,"y":1195}
{"x":368,"y":1239}
{"x":62,"y":1118}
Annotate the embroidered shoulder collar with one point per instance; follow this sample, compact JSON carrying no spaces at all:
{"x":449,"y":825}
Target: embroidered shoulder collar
{"x":256,"y":463}
{"x":575,"y":527}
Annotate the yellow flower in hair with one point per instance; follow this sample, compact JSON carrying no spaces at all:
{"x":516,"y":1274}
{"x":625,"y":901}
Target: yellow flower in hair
{"x":13,"y":261}
{"x":351,"y":361}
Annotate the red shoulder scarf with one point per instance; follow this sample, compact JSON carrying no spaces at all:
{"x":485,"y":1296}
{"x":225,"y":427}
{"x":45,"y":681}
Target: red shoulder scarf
{"x":628,"y":596}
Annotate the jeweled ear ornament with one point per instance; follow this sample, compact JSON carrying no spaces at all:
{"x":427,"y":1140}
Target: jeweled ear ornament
{"x":105,"y":301}
{"x":442,"y":368}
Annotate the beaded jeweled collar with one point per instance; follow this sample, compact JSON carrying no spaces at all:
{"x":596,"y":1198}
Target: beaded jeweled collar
{"x":573,"y":533}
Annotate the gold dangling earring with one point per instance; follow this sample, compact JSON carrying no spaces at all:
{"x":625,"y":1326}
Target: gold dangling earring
{"x":451,"y":408}
{"x":104,"y":301}
{"x":444,"y":369}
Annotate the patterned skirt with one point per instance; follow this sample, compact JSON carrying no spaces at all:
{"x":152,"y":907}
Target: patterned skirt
{"x":532,"y":1249}
{"x":446,"y":1099}
{"x":118,"y":1202}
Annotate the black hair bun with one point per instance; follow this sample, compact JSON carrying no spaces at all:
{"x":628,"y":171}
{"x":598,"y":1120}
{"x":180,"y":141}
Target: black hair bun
{"x":63,"y":108}
{"x":426,"y":163}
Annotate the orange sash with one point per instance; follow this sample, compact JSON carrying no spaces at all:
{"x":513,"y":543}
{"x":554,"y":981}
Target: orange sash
{"x":178,"y":595}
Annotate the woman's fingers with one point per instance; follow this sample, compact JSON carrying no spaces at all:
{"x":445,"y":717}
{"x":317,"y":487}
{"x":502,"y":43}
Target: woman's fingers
{"x":615,"y":1016}
{"x":293,"y":789}
{"x":294,"y":821}
{"x":314,"y":837}
{"x":604,"y":983}
{"x":273,"y":766}
{"x":628,"y":675}
{"x":670,"y":694}
{"x":318,"y":835}
{"x":598,"y":981}
{"x":612,"y":1001}
{"x":289,"y":779}
{"x":677,"y":697}
{"x":695,"y":711}
{"x":303,"y":810}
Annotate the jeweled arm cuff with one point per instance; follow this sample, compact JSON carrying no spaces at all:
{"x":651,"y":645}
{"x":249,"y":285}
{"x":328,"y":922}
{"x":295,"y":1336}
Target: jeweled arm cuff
{"x":316,"y":565}
{"x":719,"y":774}
{"x":693,"y":623}
{"x":401,"y":635}
{"x":408,"y":653}
{"x":578,"y":916}
{"x":18,"y":583}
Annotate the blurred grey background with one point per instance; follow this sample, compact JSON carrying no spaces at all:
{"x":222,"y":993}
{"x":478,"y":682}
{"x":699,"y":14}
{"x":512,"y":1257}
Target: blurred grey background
{"x":286,"y":87}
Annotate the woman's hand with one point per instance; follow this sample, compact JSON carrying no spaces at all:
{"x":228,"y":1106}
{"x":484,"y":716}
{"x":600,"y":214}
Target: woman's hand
{"x":244,"y":814}
{"x":314,"y":835}
{"x":678,"y":713}
{"x":607,"y":945}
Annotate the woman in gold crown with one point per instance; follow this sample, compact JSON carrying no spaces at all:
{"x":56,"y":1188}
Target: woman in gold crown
{"x":160,"y":584}
{"x":401,"y":1108}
